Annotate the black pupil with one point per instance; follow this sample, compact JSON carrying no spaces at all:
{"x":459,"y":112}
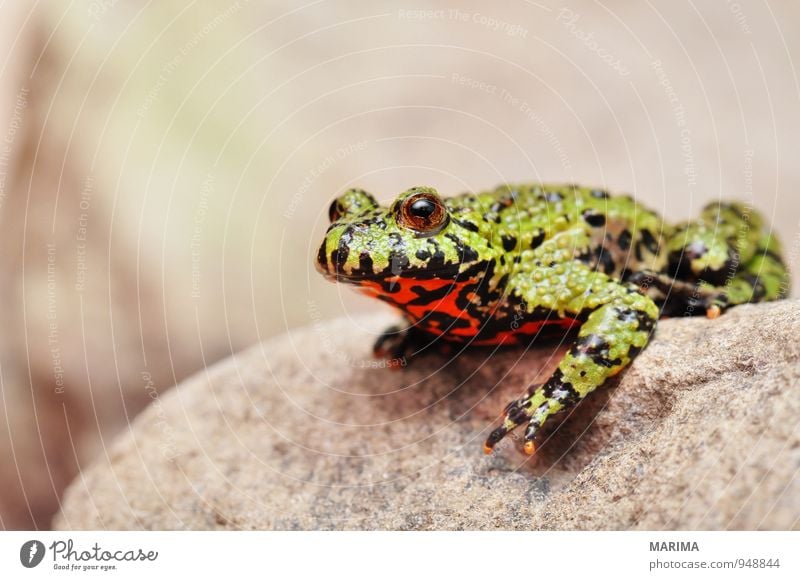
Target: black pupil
{"x":422,"y":208}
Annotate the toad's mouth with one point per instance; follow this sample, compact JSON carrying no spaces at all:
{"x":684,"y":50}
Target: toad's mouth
{"x":336,"y":269}
{"x":389,"y":276}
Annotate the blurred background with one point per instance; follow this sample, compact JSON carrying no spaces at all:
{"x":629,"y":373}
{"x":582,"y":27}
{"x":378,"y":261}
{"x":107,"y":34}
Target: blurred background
{"x":166,"y":167}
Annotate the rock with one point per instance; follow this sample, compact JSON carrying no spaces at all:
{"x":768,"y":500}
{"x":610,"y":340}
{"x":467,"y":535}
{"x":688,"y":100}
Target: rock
{"x":306,"y":432}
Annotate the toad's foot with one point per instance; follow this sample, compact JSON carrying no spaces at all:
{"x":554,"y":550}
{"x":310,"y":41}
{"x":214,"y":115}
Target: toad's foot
{"x":679,"y":297}
{"x":612,"y":336}
{"x":517,"y":412}
{"x":398,"y":344}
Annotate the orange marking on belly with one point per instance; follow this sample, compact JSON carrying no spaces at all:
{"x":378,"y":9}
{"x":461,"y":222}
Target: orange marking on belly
{"x":404,"y":295}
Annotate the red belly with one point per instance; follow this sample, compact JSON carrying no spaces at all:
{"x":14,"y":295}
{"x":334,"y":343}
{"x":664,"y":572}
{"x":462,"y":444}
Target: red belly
{"x":463,"y":326}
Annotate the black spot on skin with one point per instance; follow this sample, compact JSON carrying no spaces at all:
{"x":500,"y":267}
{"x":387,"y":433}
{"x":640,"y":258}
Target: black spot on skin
{"x":339,"y":256}
{"x":594,"y":218}
{"x":375,"y":220}
{"x":395,"y":237}
{"x":437,"y":258}
{"x":322,"y":257}
{"x":501,"y":204}
{"x":483,"y":287}
{"x":599,"y":194}
{"x":680,"y":263}
{"x":643,"y":321}
{"x":423,"y":254}
{"x":483,"y":270}
{"x":537,"y":239}
{"x":437,"y":261}
{"x":468,"y":225}
{"x":602,"y":361}
{"x":516,"y":412}
{"x":591,"y":345}
{"x":717,"y":277}
{"x":465,"y":253}
{"x":650,"y":242}
{"x":557,"y":383}
{"x":605,"y":261}
{"x":638,"y":250}
{"x":599,"y":257}
{"x":364,"y":264}
{"x":758,"y":288}
{"x":509,"y":242}
{"x":334,"y":210}
{"x":624,"y":240}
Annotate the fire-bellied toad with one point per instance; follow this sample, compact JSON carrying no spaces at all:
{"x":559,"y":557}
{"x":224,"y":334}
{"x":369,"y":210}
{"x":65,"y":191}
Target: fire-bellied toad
{"x":499,"y":267}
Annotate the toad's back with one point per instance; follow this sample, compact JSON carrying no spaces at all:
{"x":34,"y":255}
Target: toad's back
{"x":624,"y":235}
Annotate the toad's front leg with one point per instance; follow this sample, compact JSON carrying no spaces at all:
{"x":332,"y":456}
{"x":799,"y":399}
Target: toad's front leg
{"x":398,"y":343}
{"x":617,"y":329}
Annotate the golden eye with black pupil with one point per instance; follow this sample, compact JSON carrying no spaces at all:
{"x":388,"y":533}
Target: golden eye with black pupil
{"x":334,"y":211}
{"x":424,"y":213}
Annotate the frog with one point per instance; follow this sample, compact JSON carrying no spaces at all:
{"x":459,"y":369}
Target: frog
{"x":505,"y":266}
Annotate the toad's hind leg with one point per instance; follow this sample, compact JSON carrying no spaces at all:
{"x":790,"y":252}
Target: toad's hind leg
{"x":763,"y":278}
{"x":722,"y":259}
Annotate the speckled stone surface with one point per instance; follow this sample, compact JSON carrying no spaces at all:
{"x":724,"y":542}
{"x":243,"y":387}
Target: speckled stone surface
{"x":306,"y":432}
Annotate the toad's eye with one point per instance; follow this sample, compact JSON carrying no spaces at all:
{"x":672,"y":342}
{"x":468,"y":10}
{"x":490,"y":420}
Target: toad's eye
{"x":424,"y":213}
